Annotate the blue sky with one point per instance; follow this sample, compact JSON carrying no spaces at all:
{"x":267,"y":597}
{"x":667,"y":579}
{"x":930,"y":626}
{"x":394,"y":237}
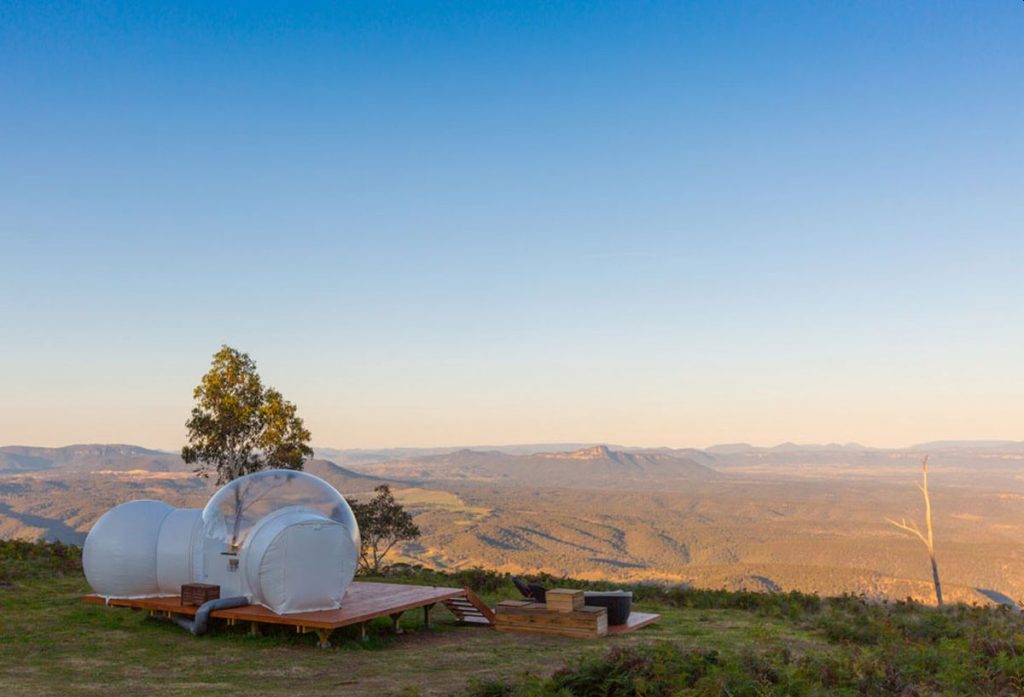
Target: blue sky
{"x":468,"y":223}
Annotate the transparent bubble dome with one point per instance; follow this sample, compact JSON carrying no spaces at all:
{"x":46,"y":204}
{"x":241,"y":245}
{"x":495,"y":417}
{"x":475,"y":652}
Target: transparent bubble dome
{"x":235,"y":510}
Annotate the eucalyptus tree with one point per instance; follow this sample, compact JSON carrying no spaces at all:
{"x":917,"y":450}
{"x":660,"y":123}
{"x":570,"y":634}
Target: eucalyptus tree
{"x":238,"y":426}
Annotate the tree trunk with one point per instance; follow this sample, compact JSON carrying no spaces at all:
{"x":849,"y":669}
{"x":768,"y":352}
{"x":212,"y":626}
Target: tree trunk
{"x":931,"y":538}
{"x":935,"y":580}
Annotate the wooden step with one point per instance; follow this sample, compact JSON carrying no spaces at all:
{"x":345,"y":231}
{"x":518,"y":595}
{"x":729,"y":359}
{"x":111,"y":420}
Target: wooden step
{"x":469,"y":609}
{"x":463,"y":610}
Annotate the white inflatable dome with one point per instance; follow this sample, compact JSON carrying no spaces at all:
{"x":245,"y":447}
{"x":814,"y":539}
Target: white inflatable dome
{"x":284,"y":539}
{"x":120,"y":553}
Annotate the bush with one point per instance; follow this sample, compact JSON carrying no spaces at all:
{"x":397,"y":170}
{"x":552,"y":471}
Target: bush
{"x":21,"y":560}
{"x":653,"y":669}
{"x":481,"y":580}
{"x":665,"y":668}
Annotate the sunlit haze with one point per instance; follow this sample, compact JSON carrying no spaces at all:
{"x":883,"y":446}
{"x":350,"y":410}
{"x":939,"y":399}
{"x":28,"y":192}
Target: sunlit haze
{"x":474,"y":223}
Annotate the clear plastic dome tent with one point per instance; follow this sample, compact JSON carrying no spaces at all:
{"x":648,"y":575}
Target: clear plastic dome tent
{"x":239,"y":506}
{"x":286,"y":540}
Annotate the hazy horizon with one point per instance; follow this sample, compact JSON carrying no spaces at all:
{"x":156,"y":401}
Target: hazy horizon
{"x":979,"y":442}
{"x":474,"y":223}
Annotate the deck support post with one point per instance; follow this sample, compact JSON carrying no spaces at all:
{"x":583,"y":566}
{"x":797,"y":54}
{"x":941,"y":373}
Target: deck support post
{"x":362,"y":632}
{"x":426,"y":616}
{"x":254,"y":629}
{"x":323,"y":635}
{"x":395,"y":625}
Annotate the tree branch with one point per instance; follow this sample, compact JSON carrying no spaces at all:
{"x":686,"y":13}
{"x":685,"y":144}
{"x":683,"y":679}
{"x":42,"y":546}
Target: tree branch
{"x":911,"y":528}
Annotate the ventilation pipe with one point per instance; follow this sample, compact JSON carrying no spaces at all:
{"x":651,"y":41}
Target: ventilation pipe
{"x":197,"y":625}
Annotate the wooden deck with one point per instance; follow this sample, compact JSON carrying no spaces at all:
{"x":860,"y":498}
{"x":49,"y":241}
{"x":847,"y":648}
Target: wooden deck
{"x":362,"y":603}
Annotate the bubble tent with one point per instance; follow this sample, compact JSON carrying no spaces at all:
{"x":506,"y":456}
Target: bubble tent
{"x":282,"y":545}
{"x":284,"y":539}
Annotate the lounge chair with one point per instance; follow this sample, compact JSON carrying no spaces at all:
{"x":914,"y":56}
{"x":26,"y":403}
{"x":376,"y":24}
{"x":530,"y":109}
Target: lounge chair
{"x":533,"y":591}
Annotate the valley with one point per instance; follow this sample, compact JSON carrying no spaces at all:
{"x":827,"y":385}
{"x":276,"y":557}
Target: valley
{"x":795,"y":518}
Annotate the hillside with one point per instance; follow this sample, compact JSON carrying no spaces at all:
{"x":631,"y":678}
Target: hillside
{"x":708,"y":643}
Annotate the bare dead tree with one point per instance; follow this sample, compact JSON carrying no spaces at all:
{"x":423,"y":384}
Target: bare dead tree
{"x":928,"y":540}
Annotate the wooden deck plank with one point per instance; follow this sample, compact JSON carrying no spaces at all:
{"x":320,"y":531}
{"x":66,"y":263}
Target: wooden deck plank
{"x":359,"y":605}
{"x":636,"y":621}
{"x":161,"y":604}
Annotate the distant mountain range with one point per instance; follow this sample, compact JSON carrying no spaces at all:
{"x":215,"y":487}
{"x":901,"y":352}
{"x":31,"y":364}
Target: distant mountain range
{"x":123,"y":459}
{"x":932,"y":446}
{"x":529,"y":463}
{"x":88,"y":458}
{"x":360,"y":455}
{"x":592,"y":466}
{"x":598,"y":466}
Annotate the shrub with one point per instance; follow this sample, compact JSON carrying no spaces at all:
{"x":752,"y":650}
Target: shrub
{"x":654,"y":669}
{"x":481,"y":580}
{"x":20,"y":560}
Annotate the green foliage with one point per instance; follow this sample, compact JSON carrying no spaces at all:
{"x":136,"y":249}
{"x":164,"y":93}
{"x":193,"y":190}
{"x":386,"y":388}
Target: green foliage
{"x":383,"y":523}
{"x":492,"y":688}
{"x":477,"y":579}
{"x":790,"y":605}
{"x":480,"y":580}
{"x":661,"y":668}
{"x":21,"y":560}
{"x":238,"y":427}
{"x":665,"y":668}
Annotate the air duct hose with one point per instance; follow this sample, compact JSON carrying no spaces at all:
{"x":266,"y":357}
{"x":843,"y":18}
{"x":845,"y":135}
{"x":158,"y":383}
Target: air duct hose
{"x":197,"y":625}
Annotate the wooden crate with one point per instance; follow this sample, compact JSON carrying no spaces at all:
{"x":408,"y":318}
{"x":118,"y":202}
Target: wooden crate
{"x":199,"y":593}
{"x":534,"y":618}
{"x":565,"y":599}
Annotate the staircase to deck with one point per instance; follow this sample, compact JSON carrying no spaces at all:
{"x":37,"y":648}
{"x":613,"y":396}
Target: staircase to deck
{"x":470,"y":609}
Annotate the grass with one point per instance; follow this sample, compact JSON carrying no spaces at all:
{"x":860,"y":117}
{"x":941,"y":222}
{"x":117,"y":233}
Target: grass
{"x":708,"y":643}
{"x":415,"y":496}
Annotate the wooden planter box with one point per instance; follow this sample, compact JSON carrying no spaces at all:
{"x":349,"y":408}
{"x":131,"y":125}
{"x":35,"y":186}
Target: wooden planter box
{"x":534,"y":618}
{"x":198,"y":593}
{"x":564,"y":600}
